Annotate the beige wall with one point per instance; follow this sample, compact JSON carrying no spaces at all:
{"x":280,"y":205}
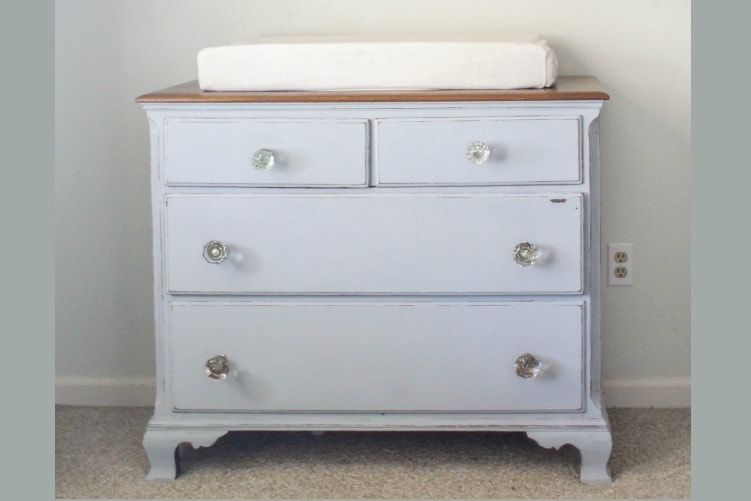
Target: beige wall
{"x":108,"y":52}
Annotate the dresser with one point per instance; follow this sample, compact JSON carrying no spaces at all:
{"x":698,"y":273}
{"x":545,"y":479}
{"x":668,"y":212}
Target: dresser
{"x":377,"y":261}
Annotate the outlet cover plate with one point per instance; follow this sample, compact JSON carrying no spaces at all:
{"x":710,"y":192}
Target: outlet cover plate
{"x":620,"y":270}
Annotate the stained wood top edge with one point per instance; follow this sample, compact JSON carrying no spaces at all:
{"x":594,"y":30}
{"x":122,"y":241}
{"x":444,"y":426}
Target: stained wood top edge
{"x":578,"y":88}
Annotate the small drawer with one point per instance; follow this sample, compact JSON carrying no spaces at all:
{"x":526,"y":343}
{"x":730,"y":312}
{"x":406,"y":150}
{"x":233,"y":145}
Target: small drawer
{"x":376,"y":357}
{"x":357,"y":243}
{"x":503,"y":151}
{"x":250,"y":152}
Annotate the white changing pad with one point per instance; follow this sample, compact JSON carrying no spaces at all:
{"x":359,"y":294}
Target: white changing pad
{"x":346,"y":63}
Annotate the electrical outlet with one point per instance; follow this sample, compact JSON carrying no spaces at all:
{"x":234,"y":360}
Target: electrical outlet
{"x":621,"y":264}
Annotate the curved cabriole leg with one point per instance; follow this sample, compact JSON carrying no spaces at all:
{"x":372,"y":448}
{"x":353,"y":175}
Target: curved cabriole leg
{"x":161,"y":448}
{"x":594,"y":447}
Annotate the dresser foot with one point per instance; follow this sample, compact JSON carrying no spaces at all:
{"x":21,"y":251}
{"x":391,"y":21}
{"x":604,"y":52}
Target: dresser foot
{"x":161,"y":448}
{"x":594,"y":447}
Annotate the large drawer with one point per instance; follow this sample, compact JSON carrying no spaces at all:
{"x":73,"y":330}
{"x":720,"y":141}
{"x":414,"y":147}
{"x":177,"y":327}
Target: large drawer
{"x":520,"y":151}
{"x":454,"y":357}
{"x":373,"y":243}
{"x":306,"y":152}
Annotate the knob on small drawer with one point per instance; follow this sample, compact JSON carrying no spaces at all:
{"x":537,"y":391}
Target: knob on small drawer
{"x":217,"y":367}
{"x":215,"y":252}
{"x":263,"y":160}
{"x":478,"y":152}
{"x":529,"y":366}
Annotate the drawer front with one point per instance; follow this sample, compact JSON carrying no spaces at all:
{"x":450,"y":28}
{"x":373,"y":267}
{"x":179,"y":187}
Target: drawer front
{"x":306,"y":153}
{"x":520,"y":151}
{"x":377,"y":357}
{"x":377,"y":244}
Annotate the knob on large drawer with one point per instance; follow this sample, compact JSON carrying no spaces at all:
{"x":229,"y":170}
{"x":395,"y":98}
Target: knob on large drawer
{"x":263,"y":160}
{"x":529,"y":366}
{"x":217,"y":367}
{"x":478,"y":152}
{"x":215,"y":252}
{"x":526,"y":254}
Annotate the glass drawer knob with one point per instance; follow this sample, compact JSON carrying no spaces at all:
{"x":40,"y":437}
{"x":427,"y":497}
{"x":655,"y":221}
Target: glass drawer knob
{"x":263,"y":160}
{"x":528,"y":366}
{"x":526,"y":254}
{"x":215,"y":252}
{"x":478,"y":152}
{"x":217,"y":367}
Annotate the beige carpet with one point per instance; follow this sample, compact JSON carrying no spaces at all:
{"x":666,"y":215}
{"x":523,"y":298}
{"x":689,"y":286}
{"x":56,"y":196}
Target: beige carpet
{"x":98,"y":454}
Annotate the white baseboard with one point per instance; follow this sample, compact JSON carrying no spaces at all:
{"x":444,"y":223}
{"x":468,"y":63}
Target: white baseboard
{"x":648,"y":392}
{"x":140,"y":392}
{"x":110,"y":392}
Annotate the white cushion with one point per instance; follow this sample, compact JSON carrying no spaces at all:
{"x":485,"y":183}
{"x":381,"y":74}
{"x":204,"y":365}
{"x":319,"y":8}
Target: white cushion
{"x":346,"y":63}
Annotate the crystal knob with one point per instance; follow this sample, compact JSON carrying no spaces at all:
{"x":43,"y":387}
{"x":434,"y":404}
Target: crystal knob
{"x":215,"y":252}
{"x":528,"y":366}
{"x":478,"y":152}
{"x":217,"y":367}
{"x":263,"y":160}
{"x":526,"y":254}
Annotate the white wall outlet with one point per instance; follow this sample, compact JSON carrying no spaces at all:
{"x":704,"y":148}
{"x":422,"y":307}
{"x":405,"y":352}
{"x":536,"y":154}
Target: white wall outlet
{"x":621,"y":264}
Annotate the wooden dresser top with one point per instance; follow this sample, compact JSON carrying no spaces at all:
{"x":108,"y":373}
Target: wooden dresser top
{"x":566,"y":88}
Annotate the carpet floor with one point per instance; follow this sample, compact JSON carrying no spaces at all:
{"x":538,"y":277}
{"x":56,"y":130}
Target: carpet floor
{"x":98,"y":454}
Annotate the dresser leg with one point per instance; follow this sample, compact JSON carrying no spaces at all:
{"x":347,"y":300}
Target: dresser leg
{"x":161,"y":448}
{"x":594,"y":447}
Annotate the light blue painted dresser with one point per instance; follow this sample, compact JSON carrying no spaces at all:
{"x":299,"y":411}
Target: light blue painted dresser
{"x":404,"y":260}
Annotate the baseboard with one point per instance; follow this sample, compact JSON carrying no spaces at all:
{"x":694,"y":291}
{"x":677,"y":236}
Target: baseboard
{"x":110,"y":392}
{"x":648,"y":392}
{"x":140,"y":392}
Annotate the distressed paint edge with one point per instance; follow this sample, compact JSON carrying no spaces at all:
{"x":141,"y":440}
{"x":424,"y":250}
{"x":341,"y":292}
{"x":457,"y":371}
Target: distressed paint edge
{"x":660,"y":392}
